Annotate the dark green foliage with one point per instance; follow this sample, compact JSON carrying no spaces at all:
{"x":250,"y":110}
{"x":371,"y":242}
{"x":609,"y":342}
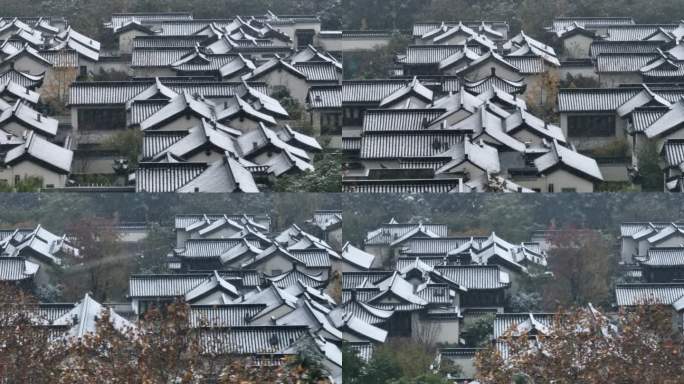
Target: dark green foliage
{"x":327,"y":177}
{"x":352,"y":366}
{"x":650,"y":174}
{"x":126,"y":144}
{"x":154,"y":249}
{"x":478,"y":333}
{"x":29,"y":184}
{"x":375,"y":64}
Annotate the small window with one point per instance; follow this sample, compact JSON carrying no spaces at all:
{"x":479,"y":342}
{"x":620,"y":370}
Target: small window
{"x":569,"y":190}
{"x":17,"y":179}
{"x":551,"y":188}
{"x":591,"y":125}
{"x":50,"y":186}
{"x":83,"y":70}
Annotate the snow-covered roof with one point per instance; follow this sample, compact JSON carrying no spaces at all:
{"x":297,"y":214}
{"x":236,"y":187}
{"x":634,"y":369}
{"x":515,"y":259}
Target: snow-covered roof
{"x":565,"y":157}
{"x":82,"y":320}
{"x":42,"y":152}
{"x":357,"y":257}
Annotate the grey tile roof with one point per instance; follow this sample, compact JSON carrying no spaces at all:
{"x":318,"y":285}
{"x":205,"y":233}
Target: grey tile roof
{"x":214,"y":63}
{"x":409,"y":145}
{"x":560,"y":156}
{"x":643,"y":118}
{"x":325,"y":97}
{"x":475,"y":277}
{"x":369,"y":91}
{"x":293,"y":276}
{"x":141,"y":110}
{"x":166,"y":177}
{"x":581,"y":100}
{"x":64,"y":58}
{"x":635,"y":32}
{"x":176,"y":285}
{"x":432,"y":54}
{"x":486,"y":84}
{"x":635,"y":294}
{"x":674,"y":152}
{"x":603,"y":47}
{"x":438,"y":246}
{"x":413,"y":186}
{"x":527,"y":64}
{"x":665,"y":257}
{"x":183,"y":221}
{"x":312,"y":258}
{"x":210,"y":248}
{"x":119,"y":19}
{"x":120,"y":92}
{"x":387,"y":233}
{"x":388,"y":120}
{"x":259,"y":340}
{"x":16,"y":269}
{"x":187,"y":42}
{"x":622,"y":62}
{"x":367,"y":312}
{"x":421,"y":28}
{"x":157,"y":58}
{"x":223,"y":316}
{"x":505,"y":321}
{"x":24,"y":79}
{"x":152,"y":286}
{"x":43,"y":152}
{"x":351,"y":280}
{"x":320,"y":71}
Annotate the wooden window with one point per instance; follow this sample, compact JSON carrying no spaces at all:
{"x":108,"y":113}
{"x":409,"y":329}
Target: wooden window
{"x":591,"y":126}
{"x":101,"y":119}
{"x":305,"y":37}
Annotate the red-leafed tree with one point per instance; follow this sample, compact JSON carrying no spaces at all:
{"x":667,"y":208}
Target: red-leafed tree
{"x":581,"y":346}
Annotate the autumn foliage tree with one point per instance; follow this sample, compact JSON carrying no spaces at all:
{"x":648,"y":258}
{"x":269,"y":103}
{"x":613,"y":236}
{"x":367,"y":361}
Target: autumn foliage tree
{"x":582,"y":262}
{"x":583,"y":346}
{"x":98,"y":263}
{"x":161,"y":348}
{"x":26,"y":354}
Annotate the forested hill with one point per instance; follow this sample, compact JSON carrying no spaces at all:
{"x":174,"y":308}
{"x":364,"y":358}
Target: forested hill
{"x":512,"y":216}
{"x":87,"y":16}
{"x":531,"y":15}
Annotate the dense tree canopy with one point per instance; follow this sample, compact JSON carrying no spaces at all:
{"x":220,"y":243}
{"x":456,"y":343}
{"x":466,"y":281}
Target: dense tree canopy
{"x":88,"y":15}
{"x":583,"y":346}
{"x":531,"y":15}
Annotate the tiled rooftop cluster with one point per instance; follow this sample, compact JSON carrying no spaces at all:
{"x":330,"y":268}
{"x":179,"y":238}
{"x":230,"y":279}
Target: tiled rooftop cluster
{"x":251,"y":291}
{"x":414,"y":138}
{"x":205,"y":93}
{"x":456,"y":117}
{"x":638,"y":72}
{"x":419,"y":271}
